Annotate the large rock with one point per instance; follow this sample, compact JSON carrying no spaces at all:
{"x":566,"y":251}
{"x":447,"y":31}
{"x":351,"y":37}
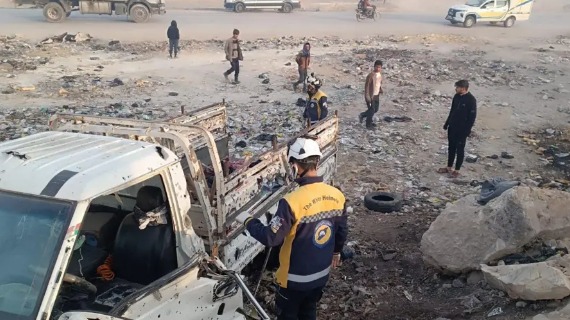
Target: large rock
{"x":535,"y":281}
{"x":466,"y":235}
{"x":562,"y":314}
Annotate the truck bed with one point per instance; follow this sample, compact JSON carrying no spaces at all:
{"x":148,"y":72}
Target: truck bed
{"x":200,"y":139}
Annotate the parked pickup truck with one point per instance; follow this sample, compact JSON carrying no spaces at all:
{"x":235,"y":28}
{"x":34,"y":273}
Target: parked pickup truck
{"x":137,"y":10}
{"x":113,"y":219}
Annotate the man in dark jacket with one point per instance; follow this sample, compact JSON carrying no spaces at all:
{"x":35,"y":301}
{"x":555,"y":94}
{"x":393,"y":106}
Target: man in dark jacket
{"x":173,"y":37}
{"x":316,"y":108}
{"x":458,"y":125}
{"x":311,"y":225}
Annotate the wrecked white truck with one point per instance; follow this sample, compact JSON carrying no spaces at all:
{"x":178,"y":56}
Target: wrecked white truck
{"x":108,"y":218}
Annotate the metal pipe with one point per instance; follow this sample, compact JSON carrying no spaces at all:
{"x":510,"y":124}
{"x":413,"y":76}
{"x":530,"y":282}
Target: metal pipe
{"x":249,"y":295}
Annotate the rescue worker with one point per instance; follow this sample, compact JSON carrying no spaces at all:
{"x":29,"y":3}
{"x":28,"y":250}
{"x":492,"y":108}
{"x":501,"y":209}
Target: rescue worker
{"x":316,"y":106}
{"x":310,"y":224}
{"x":303,"y":60}
{"x":233,"y":55}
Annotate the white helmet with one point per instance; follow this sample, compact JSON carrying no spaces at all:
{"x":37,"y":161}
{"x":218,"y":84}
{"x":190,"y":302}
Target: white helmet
{"x":303,"y":148}
{"x":312,"y":80}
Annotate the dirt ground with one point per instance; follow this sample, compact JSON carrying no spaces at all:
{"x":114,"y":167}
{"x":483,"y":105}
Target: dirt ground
{"x":521,"y":88}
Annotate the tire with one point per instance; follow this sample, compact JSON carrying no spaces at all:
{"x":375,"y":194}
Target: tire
{"x":509,"y":22}
{"x":240,"y":7}
{"x":375,"y":15}
{"x":139,"y":13}
{"x":469,"y":22}
{"x":359,"y":17}
{"x":287,"y":8}
{"x":54,"y":12}
{"x":383,"y":202}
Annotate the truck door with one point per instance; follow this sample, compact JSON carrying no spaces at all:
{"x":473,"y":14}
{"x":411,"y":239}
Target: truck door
{"x":501,"y":8}
{"x":486,"y":11}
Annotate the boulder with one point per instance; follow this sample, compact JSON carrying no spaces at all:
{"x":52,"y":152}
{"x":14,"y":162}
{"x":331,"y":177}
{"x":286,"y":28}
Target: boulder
{"x":466,"y":234}
{"x":562,"y":314}
{"x":535,"y":281}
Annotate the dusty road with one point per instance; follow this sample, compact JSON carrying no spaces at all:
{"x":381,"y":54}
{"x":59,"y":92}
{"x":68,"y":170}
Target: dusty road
{"x":217,"y":24}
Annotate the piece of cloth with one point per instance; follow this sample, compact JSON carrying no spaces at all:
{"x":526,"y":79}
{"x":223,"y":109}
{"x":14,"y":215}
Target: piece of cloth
{"x":151,"y":218}
{"x":233,"y":49}
{"x":234,"y":67}
{"x":316,"y":108}
{"x":373,"y":107}
{"x":372,"y":86}
{"x":173,"y":47}
{"x":456,"y":147}
{"x":311,"y":225}
{"x":297,"y":305}
{"x":173,"y":33}
{"x":302,"y":78}
{"x":462,"y":115}
{"x":303,"y":59}
{"x":492,"y":188}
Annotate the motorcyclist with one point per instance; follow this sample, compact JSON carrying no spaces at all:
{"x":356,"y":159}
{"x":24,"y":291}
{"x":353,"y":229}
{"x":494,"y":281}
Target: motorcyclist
{"x":367,"y":7}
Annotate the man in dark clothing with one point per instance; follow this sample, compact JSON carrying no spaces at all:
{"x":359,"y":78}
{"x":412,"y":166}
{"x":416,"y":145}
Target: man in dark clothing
{"x":311,"y":225}
{"x":316,"y":108}
{"x":173,"y":37}
{"x":458,"y":125}
{"x":233,"y":55}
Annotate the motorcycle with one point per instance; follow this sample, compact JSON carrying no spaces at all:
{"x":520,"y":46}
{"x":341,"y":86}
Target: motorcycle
{"x":366,"y":14}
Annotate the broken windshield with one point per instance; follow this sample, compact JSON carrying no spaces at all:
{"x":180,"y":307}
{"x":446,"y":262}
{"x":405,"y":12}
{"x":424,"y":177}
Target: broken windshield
{"x":31,"y":232}
{"x":475,"y":3}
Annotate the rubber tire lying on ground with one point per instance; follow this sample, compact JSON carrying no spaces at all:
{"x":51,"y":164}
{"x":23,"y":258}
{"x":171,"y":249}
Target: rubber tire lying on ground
{"x":383,"y":202}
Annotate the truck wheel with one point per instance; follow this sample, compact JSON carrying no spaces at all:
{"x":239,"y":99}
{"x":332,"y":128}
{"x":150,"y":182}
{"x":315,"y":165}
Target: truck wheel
{"x":240,"y":7}
{"x":54,"y":12}
{"x":509,"y":22}
{"x":287,"y":8}
{"x":469,"y":22}
{"x":139,"y":13}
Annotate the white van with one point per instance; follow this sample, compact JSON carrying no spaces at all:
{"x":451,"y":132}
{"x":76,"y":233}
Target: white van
{"x":282,"y":5}
{"x":492,"y":11}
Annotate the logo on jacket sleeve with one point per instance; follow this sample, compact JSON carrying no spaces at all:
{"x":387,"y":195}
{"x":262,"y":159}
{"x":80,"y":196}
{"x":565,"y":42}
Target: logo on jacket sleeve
{"x":323,"y":233}
{"x":276,"y":223}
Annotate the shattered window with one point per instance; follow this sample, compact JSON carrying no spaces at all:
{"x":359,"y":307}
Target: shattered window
{"x":31,"y":232}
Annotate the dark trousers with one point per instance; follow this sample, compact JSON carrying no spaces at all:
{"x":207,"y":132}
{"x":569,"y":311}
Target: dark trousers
{"x":234,"y":68}
{"x":302,"y":78}
{"x":369,"y":113}
{"x":456,"y":147}
{"x":297,"y":305}
{"x":173,"y":46}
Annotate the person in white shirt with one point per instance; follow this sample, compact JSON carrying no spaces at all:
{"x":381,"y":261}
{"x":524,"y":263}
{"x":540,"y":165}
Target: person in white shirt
{"x":372,"y":92}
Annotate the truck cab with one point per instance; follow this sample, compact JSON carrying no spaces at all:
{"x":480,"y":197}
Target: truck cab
{"x":106,"y":218}
{"x":506,"y":12}
{"x":137,"y":10}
